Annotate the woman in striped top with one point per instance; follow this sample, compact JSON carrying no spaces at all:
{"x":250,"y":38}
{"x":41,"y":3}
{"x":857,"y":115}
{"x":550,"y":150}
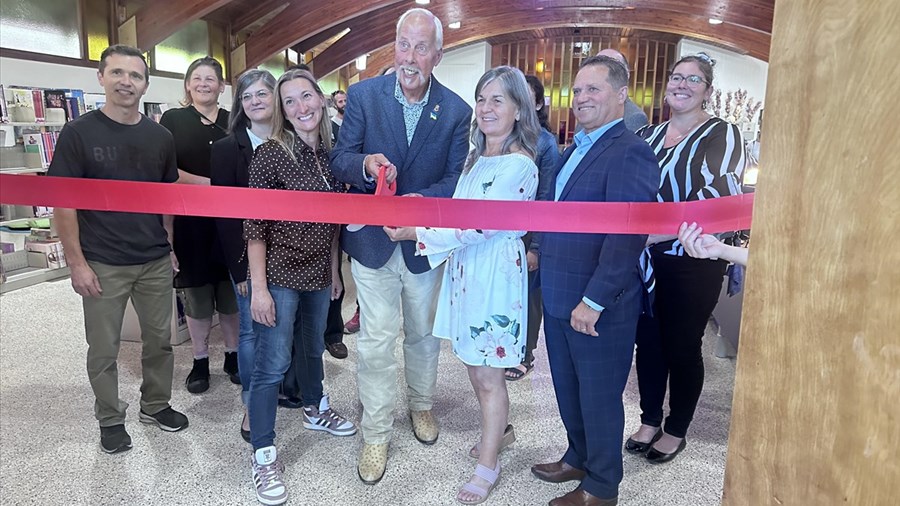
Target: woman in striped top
{"x":701,"y":157}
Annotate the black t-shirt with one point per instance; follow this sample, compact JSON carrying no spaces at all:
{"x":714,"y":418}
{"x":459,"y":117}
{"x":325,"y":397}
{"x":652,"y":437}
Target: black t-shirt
{"x":96,"y":147}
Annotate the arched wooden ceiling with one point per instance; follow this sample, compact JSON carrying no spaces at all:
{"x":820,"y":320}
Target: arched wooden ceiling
{"x":261,"y":28}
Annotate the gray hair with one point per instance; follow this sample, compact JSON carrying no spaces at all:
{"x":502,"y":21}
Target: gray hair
{"x":525,"y":131}
{"x":238,"y":118}
{"x":617,"y":75}
{"x":438,"y":28}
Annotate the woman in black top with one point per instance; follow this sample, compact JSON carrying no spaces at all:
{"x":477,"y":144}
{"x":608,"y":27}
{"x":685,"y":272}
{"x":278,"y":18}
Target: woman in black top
{"x":701,"y":157}
{"x":250,"y":125}
{"x":203,"y":275}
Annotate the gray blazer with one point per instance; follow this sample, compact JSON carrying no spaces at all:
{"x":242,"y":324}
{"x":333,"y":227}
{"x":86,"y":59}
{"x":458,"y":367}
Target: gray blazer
{"x":634,"y":116}
{"x":430,"y":164}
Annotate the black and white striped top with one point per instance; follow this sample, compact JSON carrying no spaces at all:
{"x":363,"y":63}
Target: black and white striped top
{"x":706,"y":164}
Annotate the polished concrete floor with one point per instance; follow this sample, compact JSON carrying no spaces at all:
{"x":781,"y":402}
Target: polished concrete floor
{"x":49,"y":452}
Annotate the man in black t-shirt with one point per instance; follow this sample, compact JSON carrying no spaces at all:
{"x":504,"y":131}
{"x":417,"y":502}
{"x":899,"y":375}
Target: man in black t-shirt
{"x":116,"y":256}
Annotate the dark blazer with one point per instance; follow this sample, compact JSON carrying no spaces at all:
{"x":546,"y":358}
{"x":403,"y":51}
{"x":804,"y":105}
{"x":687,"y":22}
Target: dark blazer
{"x":230,"y":161}
{"x":430,"y":165}
{"x":620,"y":167}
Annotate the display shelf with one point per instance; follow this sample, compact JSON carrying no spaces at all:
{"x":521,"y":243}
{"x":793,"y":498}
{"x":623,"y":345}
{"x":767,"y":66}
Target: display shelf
{"x":23,"y":170}
{"x":22,"y":221}
{"x":46,"y":124}
{"x":29,"y":276}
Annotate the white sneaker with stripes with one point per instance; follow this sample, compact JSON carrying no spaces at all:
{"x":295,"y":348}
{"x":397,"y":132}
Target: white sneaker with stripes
{"x":267,"y":474}
{"x":325,"y":418}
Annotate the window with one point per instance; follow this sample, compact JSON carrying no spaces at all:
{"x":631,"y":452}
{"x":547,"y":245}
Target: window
{"x":41,"y":26}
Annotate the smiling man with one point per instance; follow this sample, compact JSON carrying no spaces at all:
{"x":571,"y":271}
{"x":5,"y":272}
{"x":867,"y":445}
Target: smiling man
{"x":116,"y":256}
{"x":417,"y":130}
{"x":592,"y":287}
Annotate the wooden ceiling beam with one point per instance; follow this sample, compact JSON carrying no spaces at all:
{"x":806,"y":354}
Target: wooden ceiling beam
{"x":157,"y":20}
{"x":263,"y":9}
{"x":735,"y":37}
{"x":296,"y":23}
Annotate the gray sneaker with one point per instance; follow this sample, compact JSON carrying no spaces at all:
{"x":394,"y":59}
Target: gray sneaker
{"x":114,"y":439}
{"x":267,"y":474}
{"x":325,"y":418}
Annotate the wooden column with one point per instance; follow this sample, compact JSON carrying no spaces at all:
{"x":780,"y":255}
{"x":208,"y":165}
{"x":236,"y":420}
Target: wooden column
{"x":816,"y":418}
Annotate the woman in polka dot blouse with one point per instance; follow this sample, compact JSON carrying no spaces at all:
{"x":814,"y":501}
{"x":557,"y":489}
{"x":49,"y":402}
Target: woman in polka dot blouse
{"x":293,"y":273}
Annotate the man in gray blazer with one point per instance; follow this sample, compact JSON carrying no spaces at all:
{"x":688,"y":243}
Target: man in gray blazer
{"x":634,"y":115}
{"x":417,"y":130}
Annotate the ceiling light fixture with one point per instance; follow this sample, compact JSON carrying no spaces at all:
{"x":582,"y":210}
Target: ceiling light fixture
{"x":423,"y":2}
{"x":361,"y":62}
{"x":715,"y":21}
{"x":454,"y":25}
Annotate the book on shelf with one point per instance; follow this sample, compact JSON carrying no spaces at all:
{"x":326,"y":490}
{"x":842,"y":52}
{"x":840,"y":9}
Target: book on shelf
{"x":55,"y":100}
{"x":43,"y":144}
{"x":78,"y":107}
{"x":21,"y":105}
{"x":37,"y":96}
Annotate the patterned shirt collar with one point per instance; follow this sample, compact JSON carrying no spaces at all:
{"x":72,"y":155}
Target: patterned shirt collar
{"x":411,"y":112}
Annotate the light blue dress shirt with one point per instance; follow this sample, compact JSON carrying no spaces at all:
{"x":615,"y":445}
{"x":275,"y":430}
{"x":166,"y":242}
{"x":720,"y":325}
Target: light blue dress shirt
{"x":583,"y":143}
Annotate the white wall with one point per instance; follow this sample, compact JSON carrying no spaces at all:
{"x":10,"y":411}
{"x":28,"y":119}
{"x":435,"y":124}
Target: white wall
{"x":460,"y":69}
{"x":51,"y":75}
{"x":732,"y":70}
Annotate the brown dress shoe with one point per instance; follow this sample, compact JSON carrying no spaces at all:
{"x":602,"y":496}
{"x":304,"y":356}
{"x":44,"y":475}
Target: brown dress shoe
{"x":580,"y":497}
{"x":556,"y":472}
{"x":425,"y":427}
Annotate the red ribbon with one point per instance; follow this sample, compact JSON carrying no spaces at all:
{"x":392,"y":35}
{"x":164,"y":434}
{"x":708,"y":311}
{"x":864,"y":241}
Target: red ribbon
{"x":715,"y":215}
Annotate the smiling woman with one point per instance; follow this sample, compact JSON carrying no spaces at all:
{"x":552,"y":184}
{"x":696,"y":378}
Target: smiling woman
{"x":203,"y":275}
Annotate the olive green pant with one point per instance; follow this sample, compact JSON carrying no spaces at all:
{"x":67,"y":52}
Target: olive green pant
{"x":149,"y":286}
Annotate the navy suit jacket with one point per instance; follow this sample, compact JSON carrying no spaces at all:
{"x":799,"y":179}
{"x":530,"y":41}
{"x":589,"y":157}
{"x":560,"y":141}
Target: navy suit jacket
{"x":619,"y":167}
{"x":430,"y":165}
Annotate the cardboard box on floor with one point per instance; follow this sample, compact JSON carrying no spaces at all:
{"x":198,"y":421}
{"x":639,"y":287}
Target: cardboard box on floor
{"x":131,"y":329}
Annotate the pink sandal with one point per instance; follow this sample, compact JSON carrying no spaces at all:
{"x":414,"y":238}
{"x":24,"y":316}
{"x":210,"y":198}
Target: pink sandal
{"x":489,"y":475}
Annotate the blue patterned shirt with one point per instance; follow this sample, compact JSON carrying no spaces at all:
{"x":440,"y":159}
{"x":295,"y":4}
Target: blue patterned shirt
{"x":411,"y":112}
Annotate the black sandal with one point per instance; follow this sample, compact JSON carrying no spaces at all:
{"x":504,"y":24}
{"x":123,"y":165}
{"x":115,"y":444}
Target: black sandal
{"x":515,"y":374}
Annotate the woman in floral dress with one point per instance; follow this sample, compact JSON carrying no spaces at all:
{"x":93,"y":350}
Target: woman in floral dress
{"x":482,"y":306}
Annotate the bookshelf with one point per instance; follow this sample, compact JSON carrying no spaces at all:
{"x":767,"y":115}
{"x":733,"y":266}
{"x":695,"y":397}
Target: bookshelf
{"x":30,"y":121}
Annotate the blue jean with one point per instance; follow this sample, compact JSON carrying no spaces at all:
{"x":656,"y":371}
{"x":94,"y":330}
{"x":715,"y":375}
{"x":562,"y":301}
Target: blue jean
{"x":299,"y":322}
{"x":246,"y":342}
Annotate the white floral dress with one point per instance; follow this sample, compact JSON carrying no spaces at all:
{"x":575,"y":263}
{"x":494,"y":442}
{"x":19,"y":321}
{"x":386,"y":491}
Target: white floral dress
{"x":483,"y":302}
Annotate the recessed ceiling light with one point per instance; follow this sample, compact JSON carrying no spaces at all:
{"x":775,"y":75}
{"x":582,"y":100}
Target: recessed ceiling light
{"x":423,"y":2}
{"x":454,"y":25}
{"x":715,"y":21}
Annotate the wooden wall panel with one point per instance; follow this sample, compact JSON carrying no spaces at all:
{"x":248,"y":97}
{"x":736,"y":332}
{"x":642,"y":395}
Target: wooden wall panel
{"x":646,"y":57}
{"x":816,"y":418}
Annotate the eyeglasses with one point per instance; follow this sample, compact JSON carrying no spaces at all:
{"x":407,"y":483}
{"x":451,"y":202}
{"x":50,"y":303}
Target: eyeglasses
{"x":261,"y":94}
{"x":692,"y":80}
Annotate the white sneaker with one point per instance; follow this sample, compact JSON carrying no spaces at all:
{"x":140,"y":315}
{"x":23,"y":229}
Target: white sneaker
{"x":324,"y":418}
{"x":267,"y":477}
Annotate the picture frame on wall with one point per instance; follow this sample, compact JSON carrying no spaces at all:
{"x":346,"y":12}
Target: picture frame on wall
{"x":154,"y":110}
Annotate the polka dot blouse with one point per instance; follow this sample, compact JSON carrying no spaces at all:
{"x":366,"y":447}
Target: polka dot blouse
{"x":298,"y":254}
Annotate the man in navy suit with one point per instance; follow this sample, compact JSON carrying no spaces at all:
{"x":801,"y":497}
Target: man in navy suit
{"x":418,"y":130}
{"x":592,"y":288}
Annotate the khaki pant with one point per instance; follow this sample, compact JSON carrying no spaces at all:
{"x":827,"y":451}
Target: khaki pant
{"x":149,"y":286}
{"x":380,"y":294}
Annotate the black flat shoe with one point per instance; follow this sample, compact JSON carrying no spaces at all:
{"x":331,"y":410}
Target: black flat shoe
{"x":245,"y":434}
{"x":637,"y":448}
{"x":290,"y":402}
{"x":655,"y":456}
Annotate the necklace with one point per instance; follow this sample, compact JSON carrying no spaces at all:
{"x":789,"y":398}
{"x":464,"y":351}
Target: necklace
{"x":321,"y":171}
{"x":673,"y":139}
